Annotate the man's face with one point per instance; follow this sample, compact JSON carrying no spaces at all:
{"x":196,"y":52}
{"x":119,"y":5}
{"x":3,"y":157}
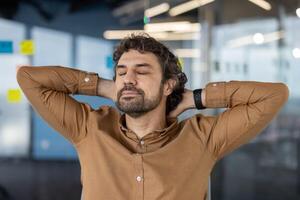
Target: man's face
{"x":138,"y":83}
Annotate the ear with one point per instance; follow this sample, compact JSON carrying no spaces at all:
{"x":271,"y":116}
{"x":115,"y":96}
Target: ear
{"x":169,"y":86}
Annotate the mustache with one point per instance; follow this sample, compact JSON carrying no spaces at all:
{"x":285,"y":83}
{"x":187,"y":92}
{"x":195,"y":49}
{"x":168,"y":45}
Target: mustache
{"x":130,"y":88}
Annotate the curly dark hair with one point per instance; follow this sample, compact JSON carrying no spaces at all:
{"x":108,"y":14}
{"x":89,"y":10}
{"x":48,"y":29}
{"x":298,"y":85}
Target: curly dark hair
{"x":169,"y":63}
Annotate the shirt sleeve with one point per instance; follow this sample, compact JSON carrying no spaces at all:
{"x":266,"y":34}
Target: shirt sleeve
{"x":250,"y":107}
{"x":48,"y":89}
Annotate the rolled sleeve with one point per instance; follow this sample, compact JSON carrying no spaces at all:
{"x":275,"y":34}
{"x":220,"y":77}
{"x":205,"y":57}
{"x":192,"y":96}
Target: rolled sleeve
{"x":88,"y":82}
{"x":215,"y":95}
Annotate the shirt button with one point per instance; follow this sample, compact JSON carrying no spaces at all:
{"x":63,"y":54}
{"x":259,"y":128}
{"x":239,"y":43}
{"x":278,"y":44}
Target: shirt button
{"x":142,"y":142}
{"x":214,"y":84}
{"x":139,"y":178}
{"x":86,"y":79}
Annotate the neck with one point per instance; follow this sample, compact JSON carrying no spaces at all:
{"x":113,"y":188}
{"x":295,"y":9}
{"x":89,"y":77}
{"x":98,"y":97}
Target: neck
{"x":148,"y":122}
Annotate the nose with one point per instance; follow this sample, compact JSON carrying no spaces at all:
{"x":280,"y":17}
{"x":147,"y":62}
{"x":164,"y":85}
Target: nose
{"x":130,"y":78}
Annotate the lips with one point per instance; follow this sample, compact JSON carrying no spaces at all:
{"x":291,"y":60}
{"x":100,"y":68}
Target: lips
{"x":129,"y":93}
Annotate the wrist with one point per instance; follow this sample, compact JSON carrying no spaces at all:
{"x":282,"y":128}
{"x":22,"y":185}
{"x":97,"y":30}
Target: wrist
{"x":203,"y":97}
{"x":105,"y":88}
{"x":190,"y":104}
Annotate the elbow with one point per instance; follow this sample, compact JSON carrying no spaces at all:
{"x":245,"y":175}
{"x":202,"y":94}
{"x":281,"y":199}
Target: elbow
{"x":21,"y":68}
{"x":284,"y":92}
{"x":21,"y":74}
{"x":278,"y":97}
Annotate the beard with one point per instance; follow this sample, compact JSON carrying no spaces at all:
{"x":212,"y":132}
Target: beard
{"x":137,"y":105}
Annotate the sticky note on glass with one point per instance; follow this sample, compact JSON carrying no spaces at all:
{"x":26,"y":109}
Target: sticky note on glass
{"x":109,"y":62}
{"x":14,"y":95}
{"x":181,"y":63}
{"x":27,"y":47}
{"x":6,"y":47}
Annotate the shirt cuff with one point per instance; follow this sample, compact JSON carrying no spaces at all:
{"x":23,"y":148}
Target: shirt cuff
{"x":215,"y":95}
{"x":88,"y":82}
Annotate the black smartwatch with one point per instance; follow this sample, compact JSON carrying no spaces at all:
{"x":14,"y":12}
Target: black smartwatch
{"x":198,"y":100}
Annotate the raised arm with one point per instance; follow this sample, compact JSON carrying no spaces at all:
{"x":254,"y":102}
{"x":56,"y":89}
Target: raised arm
{"x":48,"y":89}
{"x":251,"y":106}
{"x":106,"y":88}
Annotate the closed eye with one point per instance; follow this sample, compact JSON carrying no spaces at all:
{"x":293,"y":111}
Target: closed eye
{"x":141,"y":73}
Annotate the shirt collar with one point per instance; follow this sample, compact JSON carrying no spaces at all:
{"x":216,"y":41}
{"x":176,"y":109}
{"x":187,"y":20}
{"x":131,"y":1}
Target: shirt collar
{"x":171,"y":123}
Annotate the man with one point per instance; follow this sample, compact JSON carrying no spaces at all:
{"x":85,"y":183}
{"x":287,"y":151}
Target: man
{"x":144,"y":152}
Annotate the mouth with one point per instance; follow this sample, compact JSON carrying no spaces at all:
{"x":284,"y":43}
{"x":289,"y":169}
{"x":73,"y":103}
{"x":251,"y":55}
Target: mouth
{"x":129,"y":93}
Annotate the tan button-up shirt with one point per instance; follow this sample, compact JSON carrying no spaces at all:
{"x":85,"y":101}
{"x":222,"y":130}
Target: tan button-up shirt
{"x":173,"y":163}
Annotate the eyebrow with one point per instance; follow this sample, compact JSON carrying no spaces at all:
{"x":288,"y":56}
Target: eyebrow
{"x":137,"y":65}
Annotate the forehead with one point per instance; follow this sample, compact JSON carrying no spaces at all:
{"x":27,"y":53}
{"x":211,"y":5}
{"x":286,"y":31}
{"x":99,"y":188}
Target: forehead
{"x":134,"y":57}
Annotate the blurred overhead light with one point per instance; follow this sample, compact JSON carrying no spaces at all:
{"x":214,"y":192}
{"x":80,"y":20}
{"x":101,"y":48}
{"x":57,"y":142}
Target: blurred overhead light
{"x":157,"y":10}
{"x":187,"y":53}
{"x":165,"y":36}
{"x":270,"y":37}
{"x":242,"y":41}
{"x":182,"y":30}
{"x":119,"y":34}
{"x":298,"y":12}
{"x":296,"y":52}
{"x":258,"y":38}
{"x":182,"y":26}
{"x":190,"y":5}
{"x":262,"y":3}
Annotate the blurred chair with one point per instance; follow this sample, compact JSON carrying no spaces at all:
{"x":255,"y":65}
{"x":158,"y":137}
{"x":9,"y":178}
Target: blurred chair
{"x":4,"y":195}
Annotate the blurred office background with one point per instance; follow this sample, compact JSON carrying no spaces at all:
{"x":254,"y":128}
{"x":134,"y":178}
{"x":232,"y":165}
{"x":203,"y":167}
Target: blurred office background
{"x":215,"y":40}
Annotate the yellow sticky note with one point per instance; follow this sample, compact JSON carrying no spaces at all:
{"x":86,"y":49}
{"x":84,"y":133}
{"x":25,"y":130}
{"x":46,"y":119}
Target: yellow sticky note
{"x":27,"y":47}
{"x":14,"y":95}
{"x":181,"y":63}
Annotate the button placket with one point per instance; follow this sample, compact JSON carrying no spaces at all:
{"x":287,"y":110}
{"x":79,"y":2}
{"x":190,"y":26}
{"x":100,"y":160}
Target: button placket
{"x":139,"y":175}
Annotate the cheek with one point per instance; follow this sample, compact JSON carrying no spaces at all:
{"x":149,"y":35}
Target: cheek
{"x":152,"y":89}
{"x":119,"y":86}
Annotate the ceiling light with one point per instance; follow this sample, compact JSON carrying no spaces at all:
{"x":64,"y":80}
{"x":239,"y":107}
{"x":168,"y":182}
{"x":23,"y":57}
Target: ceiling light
{"x":296,"y":52}
{"x":119,"y":34}
{"x":258,"y":38}
{"x":165,"y":36}
{"x":190,"y":5}
{"x":262,"y":3}
{"x":298,"y":12}
{"x":157,"y":10}
{"x":187,"y":53}
{"x":270,"y":37}
{"x":183,"y":26}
